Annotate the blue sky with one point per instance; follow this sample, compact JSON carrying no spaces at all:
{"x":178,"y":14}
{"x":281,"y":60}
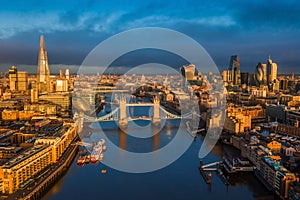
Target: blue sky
{"x":252,"y":29}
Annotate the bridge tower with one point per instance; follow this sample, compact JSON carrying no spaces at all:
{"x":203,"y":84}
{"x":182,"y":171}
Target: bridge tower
{"x":156,"y":117}
{"x":123,"y":122}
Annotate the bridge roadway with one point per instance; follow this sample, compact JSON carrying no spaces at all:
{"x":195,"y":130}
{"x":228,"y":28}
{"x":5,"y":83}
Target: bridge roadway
{"x":137,"y":118}
{"x":139,"y":104}
{"x":108,"y":91}
{"x":112,"y":115}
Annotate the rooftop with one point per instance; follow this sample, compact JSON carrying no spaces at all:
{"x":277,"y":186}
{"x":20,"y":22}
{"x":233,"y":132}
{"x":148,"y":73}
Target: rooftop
{"x":23,"y":156}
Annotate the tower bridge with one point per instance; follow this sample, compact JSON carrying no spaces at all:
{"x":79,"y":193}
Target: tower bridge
{"x":120,"y":113}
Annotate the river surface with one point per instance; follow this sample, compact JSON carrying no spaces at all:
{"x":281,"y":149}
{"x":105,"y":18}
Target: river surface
{"x":179,"y":180}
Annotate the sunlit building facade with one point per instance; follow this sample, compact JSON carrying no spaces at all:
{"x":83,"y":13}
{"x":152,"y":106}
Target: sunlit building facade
{"x":272,"y":71}
{"x":20,"y":170}
{"x":188,"y":72}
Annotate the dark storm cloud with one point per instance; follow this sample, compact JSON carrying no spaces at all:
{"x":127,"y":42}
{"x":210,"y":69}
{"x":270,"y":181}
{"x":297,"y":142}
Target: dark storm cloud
{"x":275,"y":15}
{"x":252,"y":29}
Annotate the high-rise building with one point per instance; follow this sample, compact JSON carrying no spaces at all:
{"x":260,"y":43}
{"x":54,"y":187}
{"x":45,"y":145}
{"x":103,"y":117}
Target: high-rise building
{"x":61,"y":73}
{"x":275,"y":85}
{"x":226,"y":76}
{"x":61,"y":85}
{"x":188,"y":71}
{"x":13,"y":78}
{"x":22,"y":84}
{"x":292,"y":76}
{"x":67,"y":74}
{"x":43,"y":72}
{"x":18,"y":80}
{"x":33,"y":96}
{"x":283,"y":84}
{"x":272,"y":71}
{"x":245,"y":78}
{"x":234,"y":67}
{"x":260,"y":75}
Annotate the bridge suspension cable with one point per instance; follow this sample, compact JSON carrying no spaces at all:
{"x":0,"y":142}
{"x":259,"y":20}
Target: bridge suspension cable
{"x":102,"y":118}
{"x":173,"y":116}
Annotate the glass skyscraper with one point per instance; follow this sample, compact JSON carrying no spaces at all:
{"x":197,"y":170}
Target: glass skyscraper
{"x":43,"y":72}
{"x":234,"y":67}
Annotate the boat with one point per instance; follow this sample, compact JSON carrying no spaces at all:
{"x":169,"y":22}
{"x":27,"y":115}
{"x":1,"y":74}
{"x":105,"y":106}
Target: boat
{"x":87,"y":159}
{"x":101,"y":142}
{"x":81,"y":160}
{"x":101,"y":156}
{"x":97,"y":151}
{"x":93,"y":158}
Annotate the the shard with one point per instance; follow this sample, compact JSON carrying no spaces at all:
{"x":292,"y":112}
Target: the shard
{"x":43,"y":72}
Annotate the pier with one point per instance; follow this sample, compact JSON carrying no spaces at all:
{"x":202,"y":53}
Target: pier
{"x":206,"y":171}
{"x":237,"y":164}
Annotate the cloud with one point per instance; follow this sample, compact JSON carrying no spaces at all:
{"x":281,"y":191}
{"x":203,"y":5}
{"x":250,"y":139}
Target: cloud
{"x":15,"y":23}
{"x":275,"y":15}
{"x":252,"y":29}
{"x":167,"y":21}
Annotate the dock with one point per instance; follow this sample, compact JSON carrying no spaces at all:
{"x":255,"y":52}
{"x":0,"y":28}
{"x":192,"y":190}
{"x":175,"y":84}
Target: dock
{"x":206,"y":172}
{"x":237,"y":164}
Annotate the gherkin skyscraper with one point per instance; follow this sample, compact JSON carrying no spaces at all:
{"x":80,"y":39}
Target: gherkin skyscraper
{"x":43,"y":72}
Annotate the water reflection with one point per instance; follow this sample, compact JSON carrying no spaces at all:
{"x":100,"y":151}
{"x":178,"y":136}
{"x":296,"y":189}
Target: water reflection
{"x":156,"y":142}
{"x":181,"y":180}
{"x":122,"y":143}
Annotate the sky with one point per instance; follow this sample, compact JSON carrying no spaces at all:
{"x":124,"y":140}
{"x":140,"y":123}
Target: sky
{"x":252,"y":29}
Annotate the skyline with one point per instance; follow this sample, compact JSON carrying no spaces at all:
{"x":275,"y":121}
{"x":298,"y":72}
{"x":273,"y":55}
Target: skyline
{"x":189,"y":98}
{"x":223,"y":29}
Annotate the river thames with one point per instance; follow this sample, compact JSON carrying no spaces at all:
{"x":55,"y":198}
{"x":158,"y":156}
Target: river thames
{"x":180,"y":180}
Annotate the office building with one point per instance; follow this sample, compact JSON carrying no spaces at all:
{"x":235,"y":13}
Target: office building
{"x":260,"y":75}
{"x":18,"y":80}
{"x":226,"y":76}
{"x":43,"y":72}
{"x":61,"y":85}
{"x":13,"y":78}
{"x":46,"y":150}
{"x":188,"y":72}
{"x":22,"y":83}
{"x":245,"y":78}
{"x":271,"y":71}
{"x":60,"y":99}
{"x":234,"y":67}
{"x":67,"y":74}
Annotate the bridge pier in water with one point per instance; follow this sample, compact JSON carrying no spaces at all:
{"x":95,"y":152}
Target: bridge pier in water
{"x":123,"y":122}
{"x":156,"y":117}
